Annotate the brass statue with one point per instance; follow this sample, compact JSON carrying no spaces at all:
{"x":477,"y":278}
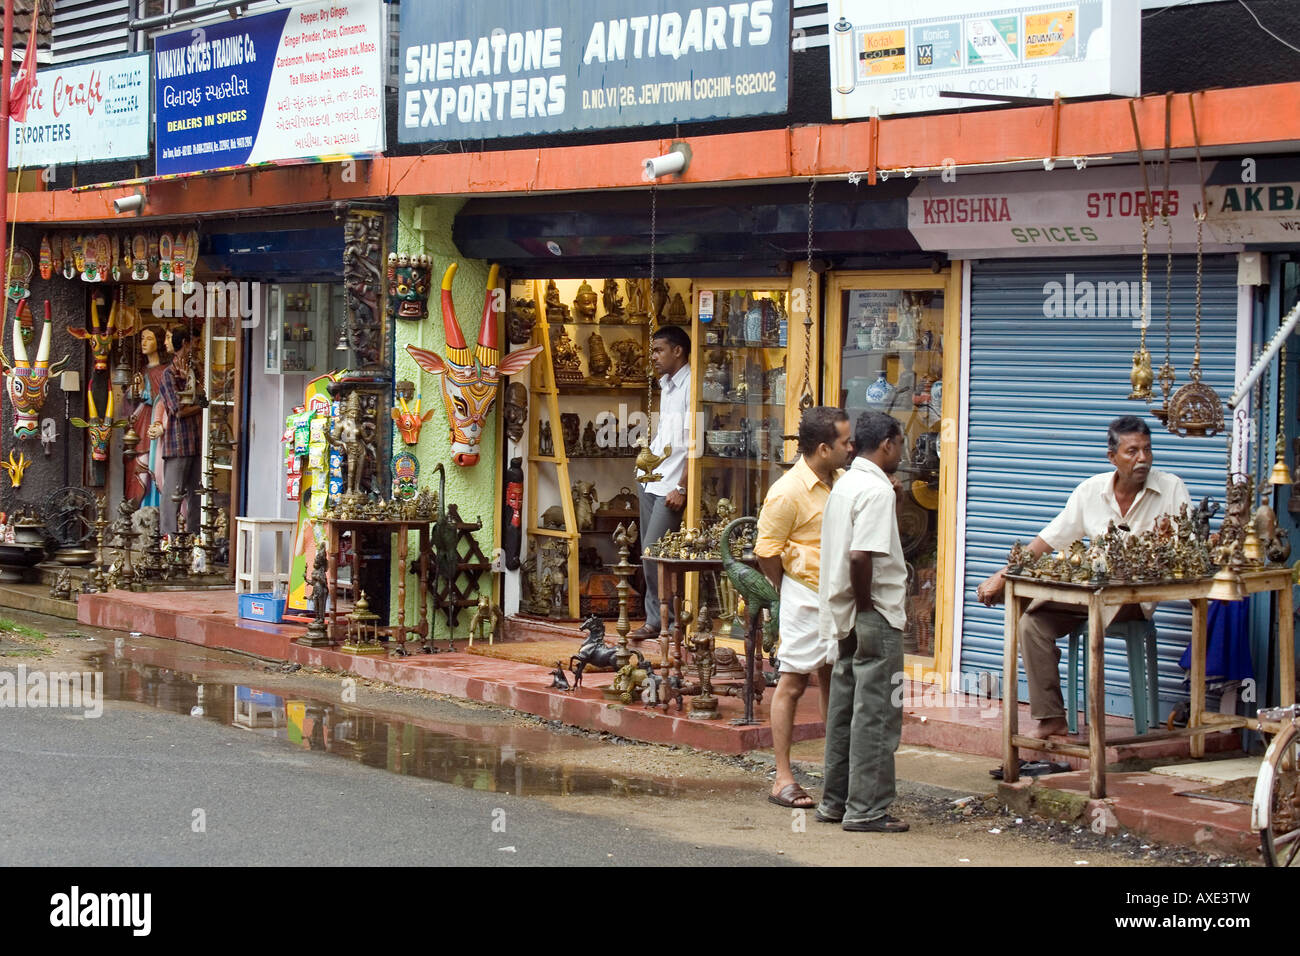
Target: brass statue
{"x":564,"y":357}
{"x":598,"y":362}
{"x":584,"y":303}
{"x":614,"y":312}
{"x":356,"y":439}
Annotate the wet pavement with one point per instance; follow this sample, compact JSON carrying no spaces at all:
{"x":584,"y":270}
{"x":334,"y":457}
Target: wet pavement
{"x":504,"y":759}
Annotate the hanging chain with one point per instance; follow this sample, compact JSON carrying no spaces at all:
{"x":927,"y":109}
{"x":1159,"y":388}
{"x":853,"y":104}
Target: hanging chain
{"x":654,"y":236}
{"x":1281,"y":404}
{"x":1167,"y":370}
{"x":1142,"y":343}
{"x":1196,"y":355}
{"x":806,"y":398}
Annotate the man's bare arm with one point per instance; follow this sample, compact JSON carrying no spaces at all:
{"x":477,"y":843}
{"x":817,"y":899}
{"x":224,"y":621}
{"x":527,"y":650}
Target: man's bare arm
{"x":990,"y":592}
{"x":772,"y":570}
{"x":860,"y":578}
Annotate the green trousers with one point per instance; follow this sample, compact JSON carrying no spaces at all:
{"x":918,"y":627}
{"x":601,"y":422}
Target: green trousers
{"x":864,"y":722}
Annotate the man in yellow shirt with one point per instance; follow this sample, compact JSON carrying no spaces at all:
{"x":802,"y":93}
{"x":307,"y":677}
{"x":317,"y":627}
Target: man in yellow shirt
{"x":788,"y":548}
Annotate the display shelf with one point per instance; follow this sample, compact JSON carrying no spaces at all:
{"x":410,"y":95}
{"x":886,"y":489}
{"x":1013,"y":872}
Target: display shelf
{"x":889,"y":350}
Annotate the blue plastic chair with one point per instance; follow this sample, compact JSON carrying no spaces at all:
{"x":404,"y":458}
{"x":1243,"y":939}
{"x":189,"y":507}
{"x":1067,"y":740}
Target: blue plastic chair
{"x":1143,"y":677}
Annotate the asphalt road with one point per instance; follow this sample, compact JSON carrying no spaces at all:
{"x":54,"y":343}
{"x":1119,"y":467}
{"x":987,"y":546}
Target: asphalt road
{"x":123,"y":789}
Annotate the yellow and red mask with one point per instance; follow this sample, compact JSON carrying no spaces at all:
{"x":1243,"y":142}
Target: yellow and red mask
{"x":470,"y":378}
{"x":29,"y":380}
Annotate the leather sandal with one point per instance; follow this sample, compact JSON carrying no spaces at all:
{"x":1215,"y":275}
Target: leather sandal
{"x":788,"y":796}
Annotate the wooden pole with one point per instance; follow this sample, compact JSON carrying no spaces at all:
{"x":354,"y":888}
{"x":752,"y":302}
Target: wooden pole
{"x":6,"y":70}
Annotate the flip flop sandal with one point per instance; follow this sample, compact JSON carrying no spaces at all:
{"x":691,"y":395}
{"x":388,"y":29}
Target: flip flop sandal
{"x":789,"y":794}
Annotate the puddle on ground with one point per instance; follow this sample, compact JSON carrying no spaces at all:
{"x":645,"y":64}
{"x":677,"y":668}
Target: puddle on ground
{"x":473,"y":760}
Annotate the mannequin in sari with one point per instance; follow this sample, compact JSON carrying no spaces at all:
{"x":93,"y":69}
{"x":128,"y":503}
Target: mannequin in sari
{"x":148,"y":420}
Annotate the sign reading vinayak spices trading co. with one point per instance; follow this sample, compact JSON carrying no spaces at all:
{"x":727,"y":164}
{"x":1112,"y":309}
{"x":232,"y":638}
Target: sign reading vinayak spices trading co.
{"x":492,"y":68}
{"x":299,"y":82}
{"x":84,"y":113}
{"x":900,"y":56}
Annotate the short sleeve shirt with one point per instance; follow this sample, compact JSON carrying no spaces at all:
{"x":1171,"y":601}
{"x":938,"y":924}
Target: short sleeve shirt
{"x":860,"y":516}
{"x":790,"y":524}
{"x":1092,"y":506}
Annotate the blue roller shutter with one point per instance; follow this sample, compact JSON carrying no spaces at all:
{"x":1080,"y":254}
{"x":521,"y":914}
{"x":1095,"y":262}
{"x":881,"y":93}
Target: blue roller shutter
{"x":1042,"y":391}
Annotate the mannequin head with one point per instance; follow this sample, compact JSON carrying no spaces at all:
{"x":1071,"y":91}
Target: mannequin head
{"x":150,"y":341}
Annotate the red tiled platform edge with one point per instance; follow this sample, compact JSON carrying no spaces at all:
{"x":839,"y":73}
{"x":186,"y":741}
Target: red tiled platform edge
{"x":208,"y":618}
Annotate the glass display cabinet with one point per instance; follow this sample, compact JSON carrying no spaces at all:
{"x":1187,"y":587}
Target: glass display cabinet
{"x":740,"y":383}
{"x":892,"y":347}
{"x":297,"y":332}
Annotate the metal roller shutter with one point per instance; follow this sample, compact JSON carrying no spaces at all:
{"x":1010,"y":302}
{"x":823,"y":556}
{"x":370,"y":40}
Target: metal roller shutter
{"x":1042,"y":392}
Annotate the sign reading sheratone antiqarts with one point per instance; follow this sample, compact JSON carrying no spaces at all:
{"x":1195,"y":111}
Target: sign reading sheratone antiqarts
{"x":491,"y":68}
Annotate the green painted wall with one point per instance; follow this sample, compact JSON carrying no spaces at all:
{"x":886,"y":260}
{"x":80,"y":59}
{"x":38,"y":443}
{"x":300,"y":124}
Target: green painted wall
{"x":424,"y":227}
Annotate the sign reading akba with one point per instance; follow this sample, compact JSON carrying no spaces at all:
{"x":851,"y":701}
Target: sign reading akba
{"x":297,"y":82}
{"x":85,"y":113}
{"x":887,"y":60}
{"x":494,"y":68}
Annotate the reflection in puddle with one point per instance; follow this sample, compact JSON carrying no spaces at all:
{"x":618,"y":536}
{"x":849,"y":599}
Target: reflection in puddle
{"x":478,"y":757}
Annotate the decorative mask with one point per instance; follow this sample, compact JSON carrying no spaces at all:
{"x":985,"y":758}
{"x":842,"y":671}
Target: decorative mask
{"x":520,"y":317}
{"x":516,"y":411}
{"x":28,"y":380}
{"x":101,"y":429}
{"x":101,"y":342}
{"x":469,"y":378}
{"x":16,"y":468}
{"x":409,"y":420}
{"x":408,"y":287}
{"x":406,"y":476}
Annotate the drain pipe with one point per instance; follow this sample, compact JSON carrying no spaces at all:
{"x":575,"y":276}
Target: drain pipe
{"x":185,"y":16}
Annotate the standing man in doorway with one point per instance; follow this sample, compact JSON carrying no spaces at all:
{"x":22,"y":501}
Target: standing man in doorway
{"x":862,"y":593}
{"x":788,"y":547}
{"x":662,"y":501}
{"x":182,"y":440}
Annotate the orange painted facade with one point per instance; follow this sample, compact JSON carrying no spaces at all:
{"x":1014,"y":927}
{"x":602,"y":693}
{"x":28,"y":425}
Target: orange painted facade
{"x":1263,"y":117}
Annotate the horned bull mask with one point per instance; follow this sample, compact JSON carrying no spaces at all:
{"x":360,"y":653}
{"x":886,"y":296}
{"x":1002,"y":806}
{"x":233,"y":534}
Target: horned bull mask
{"x":101,"y":429}
{"x":101,"y":341}
{"x":469,"y":378}
{"x":28,"y":380}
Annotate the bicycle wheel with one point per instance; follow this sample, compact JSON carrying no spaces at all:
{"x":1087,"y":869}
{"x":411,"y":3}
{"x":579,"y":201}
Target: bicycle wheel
{"x":1275,"y":813}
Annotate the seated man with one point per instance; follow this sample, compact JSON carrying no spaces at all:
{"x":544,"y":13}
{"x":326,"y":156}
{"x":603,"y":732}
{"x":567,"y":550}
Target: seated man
{"x":1134,"y":495}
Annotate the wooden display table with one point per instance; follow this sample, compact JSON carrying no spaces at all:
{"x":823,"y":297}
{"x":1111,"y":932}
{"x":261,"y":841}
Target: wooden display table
{"x":397,"y":633}
{"x":1200,"y":721}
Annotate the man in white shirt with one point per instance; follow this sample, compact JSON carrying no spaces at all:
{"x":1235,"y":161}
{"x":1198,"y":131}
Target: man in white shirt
{"x":662,"y":501}
{"x":1134,"y":495}
{"x":862,"y":590}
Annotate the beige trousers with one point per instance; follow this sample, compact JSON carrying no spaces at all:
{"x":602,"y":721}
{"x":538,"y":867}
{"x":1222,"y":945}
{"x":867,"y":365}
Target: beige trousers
{"x":1041,"y":626}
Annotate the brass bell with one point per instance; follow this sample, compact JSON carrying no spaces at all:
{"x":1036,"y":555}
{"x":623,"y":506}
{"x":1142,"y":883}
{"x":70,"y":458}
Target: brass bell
{"x":1281,"y":474}
{"x":1226,"y":586}
{"x":1251,"y":549}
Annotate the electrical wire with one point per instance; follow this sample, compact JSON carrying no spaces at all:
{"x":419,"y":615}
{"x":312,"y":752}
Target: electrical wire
{"x":1289,"y":46}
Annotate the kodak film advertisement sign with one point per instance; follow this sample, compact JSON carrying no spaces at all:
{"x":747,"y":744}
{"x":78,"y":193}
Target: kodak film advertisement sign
{"x":898,"y":56}
{"x":494,"y":68}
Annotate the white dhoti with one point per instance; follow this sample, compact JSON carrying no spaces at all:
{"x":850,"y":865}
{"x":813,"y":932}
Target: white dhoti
{"x":802,"y":649}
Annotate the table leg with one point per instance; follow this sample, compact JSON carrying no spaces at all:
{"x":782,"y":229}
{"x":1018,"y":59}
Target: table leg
{"x":332,"y":577}
{"x":1010,"y":691}
{"x":664,"y":602}
{"x":423,"y":629}
{"x":1285,"y":646}
{"x":1096,"y":698}
{"x":402,"y":532}
{"x":1200,"y":613}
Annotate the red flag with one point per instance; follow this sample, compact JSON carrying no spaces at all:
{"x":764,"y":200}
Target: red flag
{"x":27,"y":77}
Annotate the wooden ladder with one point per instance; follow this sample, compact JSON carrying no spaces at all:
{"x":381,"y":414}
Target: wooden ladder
{"x":560,"y":459}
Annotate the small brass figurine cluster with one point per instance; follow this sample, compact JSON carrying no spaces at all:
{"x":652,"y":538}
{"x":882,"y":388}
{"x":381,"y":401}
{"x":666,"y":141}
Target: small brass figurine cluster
{"x":704,"y":543}
{"x":1175,"y":549}
{"x":423,"y":507}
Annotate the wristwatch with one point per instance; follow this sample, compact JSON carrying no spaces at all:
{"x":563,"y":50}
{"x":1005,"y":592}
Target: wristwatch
{"x":680,"y":489}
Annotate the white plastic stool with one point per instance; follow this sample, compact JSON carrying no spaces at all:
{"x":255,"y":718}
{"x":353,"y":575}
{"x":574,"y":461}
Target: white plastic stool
{"x":249,"y":576}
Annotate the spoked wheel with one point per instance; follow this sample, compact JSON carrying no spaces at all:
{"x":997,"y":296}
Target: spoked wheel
{"x":1276,"y":810}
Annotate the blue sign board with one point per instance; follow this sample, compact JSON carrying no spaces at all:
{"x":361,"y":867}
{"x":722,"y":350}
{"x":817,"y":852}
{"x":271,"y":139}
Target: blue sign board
{"x":494,"y":68}
{"x":299,"y":82}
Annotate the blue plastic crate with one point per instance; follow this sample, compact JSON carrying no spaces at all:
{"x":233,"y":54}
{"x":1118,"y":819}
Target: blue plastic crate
{"x":261,"y":607}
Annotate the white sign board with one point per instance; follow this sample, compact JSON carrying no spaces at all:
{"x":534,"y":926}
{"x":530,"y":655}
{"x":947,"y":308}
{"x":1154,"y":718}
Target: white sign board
{"x":84,"y":113}
{"x":1066,"y":212}
{"x":888,"y":59}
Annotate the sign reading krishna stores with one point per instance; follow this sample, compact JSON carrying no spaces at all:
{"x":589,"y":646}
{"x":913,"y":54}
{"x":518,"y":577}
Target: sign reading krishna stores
{"x":899,"y":56}
{"x":84,"y":113}
{"x":494,"y":68}
{"x":299,"y":82}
